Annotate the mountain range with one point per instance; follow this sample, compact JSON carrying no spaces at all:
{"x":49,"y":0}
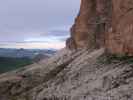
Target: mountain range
{"x":28,"y":53}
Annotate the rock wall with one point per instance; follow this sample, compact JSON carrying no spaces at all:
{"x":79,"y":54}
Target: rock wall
{"x":120,"y":38}
{"x":104,"y":23}
{"x":91,"y":23}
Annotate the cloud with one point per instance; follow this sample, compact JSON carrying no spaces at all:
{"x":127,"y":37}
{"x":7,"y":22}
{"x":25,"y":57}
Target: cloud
{"x":57,"y":45}
{"x":36,"y":19}
{"x":24,"y":16}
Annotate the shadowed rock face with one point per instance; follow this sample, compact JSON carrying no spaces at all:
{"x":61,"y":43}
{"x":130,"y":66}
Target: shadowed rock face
{"x":120,"y":39}
{"x":104,"y":23}
{"x":91,"y":23}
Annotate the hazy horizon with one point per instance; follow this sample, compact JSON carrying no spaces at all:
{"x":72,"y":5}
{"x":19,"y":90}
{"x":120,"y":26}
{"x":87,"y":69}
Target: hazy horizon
{"x":36,"y":23}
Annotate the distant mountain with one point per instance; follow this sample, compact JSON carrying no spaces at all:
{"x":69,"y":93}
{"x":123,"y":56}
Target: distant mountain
{"x":27,"y":53}
{"x":11,"y":59}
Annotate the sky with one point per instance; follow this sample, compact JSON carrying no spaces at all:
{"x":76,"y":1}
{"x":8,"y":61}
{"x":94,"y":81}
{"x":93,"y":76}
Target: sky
{"x":36,"y":23}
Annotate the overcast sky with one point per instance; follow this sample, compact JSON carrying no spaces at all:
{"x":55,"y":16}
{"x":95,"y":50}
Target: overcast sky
{"x":36,"y":21}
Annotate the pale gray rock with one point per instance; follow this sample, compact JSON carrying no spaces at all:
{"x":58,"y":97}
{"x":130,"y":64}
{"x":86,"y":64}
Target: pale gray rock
{"x":70,"y":75}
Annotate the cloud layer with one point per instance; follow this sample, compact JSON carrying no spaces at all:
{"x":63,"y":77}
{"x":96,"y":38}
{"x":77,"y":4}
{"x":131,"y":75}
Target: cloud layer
{"x":31,"y":19}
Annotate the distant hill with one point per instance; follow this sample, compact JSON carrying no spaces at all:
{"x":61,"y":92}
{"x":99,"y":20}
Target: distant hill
{"x":11,"y":59}
{"x":28,"y":53}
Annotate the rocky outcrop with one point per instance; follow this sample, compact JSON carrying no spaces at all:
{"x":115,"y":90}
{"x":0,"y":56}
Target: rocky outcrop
{"x":91,"y":23}
{"x":105,"y":23}
{"x":120,"y":38}
{"x":83,"y":74}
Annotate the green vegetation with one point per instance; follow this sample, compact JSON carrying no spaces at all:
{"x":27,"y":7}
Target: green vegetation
{"x":127,"y":59}
{"x":8,"y":64}
{"x":108,"y":59}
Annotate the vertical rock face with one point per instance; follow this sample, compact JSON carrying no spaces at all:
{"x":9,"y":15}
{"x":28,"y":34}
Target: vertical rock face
{"x":104,"y":23}
{"x":120,"y":39}
{"x":91,"y":23}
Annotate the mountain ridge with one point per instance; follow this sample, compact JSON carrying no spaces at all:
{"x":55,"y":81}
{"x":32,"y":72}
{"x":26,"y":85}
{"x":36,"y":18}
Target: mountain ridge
{"x":97,"y":63}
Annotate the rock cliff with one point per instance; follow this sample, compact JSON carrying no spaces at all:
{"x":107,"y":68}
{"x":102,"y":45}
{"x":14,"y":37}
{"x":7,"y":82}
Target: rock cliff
{"x":104,"y":23}
{"x":87,"y":73}
{"x":119,"y":38}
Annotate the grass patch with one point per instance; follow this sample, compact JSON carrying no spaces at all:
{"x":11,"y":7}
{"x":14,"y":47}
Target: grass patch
{"x":8,"y":64}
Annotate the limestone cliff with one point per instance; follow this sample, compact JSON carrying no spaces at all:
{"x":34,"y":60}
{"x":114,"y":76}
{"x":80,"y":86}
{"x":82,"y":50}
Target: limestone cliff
{"x":104,"y":23}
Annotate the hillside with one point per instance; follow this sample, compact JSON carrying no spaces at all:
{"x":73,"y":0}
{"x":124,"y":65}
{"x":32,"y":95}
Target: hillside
{"x":8,"y":63}
{"x":97,"y":63}
{"x":86,"y":75}
{"x":12,"y":59}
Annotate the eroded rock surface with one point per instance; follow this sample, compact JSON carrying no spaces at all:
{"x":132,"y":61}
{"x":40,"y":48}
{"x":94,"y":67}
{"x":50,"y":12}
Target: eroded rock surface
{"x":92,"y":22}
{"x":120,"y":38}
{"x":105,"y":23}
{"x":82,"y":73}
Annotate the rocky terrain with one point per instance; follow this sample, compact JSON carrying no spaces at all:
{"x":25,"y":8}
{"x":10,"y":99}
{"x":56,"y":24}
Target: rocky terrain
{"x":71,"y":75}
{"x":97,"y":63}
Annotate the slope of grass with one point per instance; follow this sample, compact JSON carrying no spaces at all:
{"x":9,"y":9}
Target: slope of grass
{"x":8,"y":64}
